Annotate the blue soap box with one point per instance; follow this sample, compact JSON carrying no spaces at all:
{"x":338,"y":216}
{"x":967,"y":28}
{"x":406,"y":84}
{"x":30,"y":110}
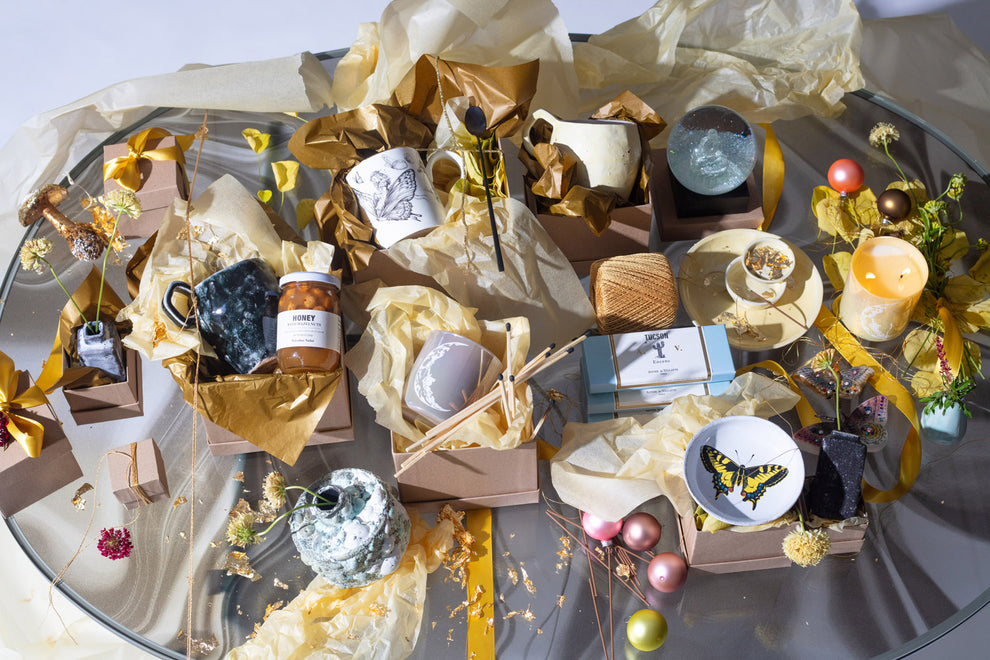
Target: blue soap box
{"x":654,"y":358}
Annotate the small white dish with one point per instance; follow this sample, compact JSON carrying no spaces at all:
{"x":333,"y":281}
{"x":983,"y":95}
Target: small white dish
{"x":768,"y":260}
{"x":749,"y":291}
{"x":744,"y":470}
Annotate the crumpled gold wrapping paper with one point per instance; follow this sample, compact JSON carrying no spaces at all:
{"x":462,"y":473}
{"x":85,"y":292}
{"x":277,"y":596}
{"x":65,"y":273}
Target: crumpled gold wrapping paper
{"x":634,"y":462}
{"x":538,"y":282}
{"x":401,"y":319}
{"x":228,"y":225}
{"x":381,"y":620}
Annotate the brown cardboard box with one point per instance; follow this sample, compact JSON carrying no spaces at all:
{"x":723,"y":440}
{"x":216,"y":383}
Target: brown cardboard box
{"x":147,"y":469}
{"x":672,"y":228}
{"x":335,"y":426}
{"x":89,"y":405}
{"x":24,"y":480}
{"x":161,"y":182}
{"x":627,"y":233}
{"x":731,"y":552}
{"x":471,"y":478}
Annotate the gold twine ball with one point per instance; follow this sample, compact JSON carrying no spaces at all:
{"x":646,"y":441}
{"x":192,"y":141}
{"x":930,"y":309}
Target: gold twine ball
{"x":633,"y":293}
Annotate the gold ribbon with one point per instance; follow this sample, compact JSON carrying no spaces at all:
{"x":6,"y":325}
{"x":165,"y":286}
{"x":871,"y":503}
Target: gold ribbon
{"x":480,"y":581}
{"x":805,"y":412}
{"x":132,"y":477}
{"x":125,"y":168}
{"x":28,"y":432}
{"x":884,"y":383}
{"x":773,"y":176}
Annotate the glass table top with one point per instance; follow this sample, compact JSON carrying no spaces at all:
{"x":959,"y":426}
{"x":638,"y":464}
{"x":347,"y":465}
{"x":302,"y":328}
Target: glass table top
{"x":925,"y":558}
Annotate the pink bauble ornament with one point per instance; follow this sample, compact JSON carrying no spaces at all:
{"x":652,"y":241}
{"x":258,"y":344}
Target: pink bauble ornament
{"x":846,"y":176}
{"x":598,"y":529}
{"x":667,"y":572}
{"x":640,"y":532}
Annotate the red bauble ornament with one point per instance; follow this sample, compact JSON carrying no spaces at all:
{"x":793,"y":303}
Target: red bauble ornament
{"x":598,"y":529}
{"x":667,"y":572}
{"x":846,"y":176}
{"x":640,"y":532}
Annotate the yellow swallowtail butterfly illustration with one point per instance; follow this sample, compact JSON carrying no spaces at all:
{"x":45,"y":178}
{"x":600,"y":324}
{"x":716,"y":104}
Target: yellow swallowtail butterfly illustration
{"x":753,"y":481}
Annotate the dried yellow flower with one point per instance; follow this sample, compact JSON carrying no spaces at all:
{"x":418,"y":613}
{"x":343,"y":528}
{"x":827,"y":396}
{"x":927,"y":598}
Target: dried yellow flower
{"x":240,"y":529}
{"x":807,"y":547}
{"x":274,"y":489}
{"x":33,"y":254}
{"x":883,"y":134}
{"x":122,"y":202}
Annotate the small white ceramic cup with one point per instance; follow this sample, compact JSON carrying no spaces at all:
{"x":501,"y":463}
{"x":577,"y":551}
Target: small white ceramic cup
{"x":449,"y":373}
{"x":396,"y":194}
{"x":768,"y":260}
{"x":748,"y":291}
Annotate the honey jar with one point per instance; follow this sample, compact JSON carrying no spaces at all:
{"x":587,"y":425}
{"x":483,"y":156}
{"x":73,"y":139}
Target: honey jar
{"x":309,"y":326}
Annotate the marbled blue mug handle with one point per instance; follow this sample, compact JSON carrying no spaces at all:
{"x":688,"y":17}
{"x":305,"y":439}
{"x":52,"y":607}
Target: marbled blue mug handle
{"x":184,"y":321}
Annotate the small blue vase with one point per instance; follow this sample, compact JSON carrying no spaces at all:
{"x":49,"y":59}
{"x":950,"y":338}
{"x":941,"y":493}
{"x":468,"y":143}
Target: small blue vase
{"x":944,"y":426}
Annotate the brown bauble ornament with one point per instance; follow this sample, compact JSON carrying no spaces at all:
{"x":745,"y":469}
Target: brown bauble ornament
{"x":894,"y":204}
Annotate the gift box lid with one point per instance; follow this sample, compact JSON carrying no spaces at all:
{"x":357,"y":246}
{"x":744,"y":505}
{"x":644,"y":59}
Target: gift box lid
{"x":676,"y":356}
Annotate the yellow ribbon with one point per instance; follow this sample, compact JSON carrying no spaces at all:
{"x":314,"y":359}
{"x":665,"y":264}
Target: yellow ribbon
{"x":125,"y":168}
{"x":480,"y":580}
{"x":884,"y":383}
{"x":28,"y":432}
{"x":773,"y":176}
{"x":51,"y":371}
{"x":805,"y":412}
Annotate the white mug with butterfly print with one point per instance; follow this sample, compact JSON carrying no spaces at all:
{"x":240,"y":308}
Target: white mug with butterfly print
{"x":396,"y":194}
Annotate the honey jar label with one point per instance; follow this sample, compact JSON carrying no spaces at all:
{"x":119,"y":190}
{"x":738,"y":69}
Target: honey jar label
{"x":308,"y":328}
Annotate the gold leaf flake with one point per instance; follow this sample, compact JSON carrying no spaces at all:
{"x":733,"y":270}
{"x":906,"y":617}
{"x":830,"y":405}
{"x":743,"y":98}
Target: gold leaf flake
{"x":200,"y":646}
{"x":530,"y":587}
{"x":179,"y":501}
{"x":560,"y":601}
{"x":182,"y":534}
{"x":272,"y":607}
{"x":623,"y":571}
{"x":281,"y":585}
{"x":78,"y":500}
{"x":513,"y":575}
{"x":237,"y":564}
{"x":239,"y":477}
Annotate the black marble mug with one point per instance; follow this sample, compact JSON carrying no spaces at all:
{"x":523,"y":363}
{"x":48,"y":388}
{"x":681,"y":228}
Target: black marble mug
{"x":237,"y":309}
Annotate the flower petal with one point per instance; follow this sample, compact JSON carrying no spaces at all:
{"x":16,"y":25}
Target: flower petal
{"x":305,"y":212}
{"x":257,"y":140}
{"x":286,"y":172}
{"x":265,"y":195}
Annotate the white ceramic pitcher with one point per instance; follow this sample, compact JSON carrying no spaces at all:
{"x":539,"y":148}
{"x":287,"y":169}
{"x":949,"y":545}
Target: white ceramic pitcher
{"x":608,"y":151}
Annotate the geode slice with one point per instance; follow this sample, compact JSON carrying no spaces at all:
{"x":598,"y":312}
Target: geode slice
{"x":356,"y":534}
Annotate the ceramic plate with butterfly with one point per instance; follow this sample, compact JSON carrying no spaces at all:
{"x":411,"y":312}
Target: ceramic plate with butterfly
{"x":868,"y":421}
{"x":744,"y":470}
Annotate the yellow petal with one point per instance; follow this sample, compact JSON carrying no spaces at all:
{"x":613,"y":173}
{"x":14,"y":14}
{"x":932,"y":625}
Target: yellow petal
{"x":836,"y":268}
{"x":265,"y":195}
{"x":963,"y":289}
{"x":304,"y":212}
{"x":981,"y":269}
{"x":919,"y":350}
{"x":257,"y":140}
{"x":952,"y":339}
{"x":925,"y":383}
{"x":286,"y":172}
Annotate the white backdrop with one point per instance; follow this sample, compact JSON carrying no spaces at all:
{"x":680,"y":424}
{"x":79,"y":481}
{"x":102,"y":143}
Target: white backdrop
{"x":56,"y":51}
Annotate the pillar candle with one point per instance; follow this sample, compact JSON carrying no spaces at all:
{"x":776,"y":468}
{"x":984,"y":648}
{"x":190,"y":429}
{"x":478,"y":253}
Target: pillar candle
{"x":885,"y":280}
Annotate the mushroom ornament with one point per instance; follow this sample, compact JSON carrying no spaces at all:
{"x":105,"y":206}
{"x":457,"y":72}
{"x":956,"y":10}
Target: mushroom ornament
{"x":84,"y":242}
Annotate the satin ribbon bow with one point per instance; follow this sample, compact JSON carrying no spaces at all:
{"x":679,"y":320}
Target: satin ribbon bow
{"x":28,"y":432}
{"x":125,"y":168}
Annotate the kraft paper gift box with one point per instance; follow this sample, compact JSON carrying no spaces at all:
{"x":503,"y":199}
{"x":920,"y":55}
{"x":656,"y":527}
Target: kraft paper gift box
{"x":102,"y":403}
{"x":627,"y":233}
{"x":471,"y":478}
{"x":336,"y":425}
{"x":25,"y":480}
{"x":162,"y":181}
{"x":726,"y":551}
{"x":136,"y":471}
